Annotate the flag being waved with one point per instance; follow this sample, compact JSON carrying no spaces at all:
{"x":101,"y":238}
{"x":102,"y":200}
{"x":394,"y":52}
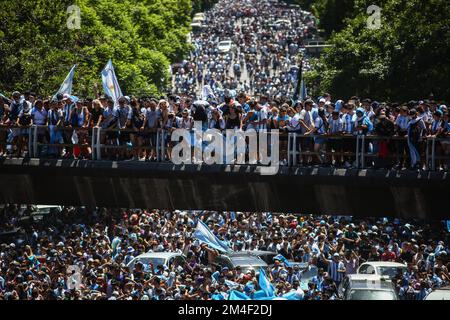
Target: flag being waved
{"x":265,"y":284}
{"x":66,"y":87}
{"x":110,"y":83}
{"x":204,"y":235}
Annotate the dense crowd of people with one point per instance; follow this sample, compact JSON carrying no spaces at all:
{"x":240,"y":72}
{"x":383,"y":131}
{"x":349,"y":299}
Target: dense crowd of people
{"x":267,"y":44}
{"x":100,"y":242}
{"x":252,"y":85}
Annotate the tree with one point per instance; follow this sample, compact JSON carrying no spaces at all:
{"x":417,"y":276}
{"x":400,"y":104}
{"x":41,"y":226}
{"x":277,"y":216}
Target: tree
{"x":142,"y":37}
{"x":407,"y":58}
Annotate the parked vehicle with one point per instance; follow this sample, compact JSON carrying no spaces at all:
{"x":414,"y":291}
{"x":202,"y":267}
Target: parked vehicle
{"x":382,"y":268}
{"x":367,"y":287}
{"x":155,"y":259}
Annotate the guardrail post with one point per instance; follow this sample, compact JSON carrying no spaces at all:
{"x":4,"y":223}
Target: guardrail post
{"x":93,"y":143}
{"x":357,"y":152}
{"x":163,"y":144}
{"x":35,"y":142}
{"x":30,"y":141}
{"x":363,"y":151}
{"x":433,"y":154}
{"x":289,"y":149}
{"x":158,"y":155}
{"x":99,"y":144}
{"x":295,"y":150}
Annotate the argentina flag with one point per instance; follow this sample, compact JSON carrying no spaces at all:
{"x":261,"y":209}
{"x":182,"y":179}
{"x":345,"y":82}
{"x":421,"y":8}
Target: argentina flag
{"x":110,"y":84}
{"x":66,"y":87}
{"x":204,"y":235}
{"x":265,"y":284}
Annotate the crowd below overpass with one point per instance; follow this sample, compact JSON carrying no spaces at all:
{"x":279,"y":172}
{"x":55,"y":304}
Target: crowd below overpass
{"x":35,"y":255}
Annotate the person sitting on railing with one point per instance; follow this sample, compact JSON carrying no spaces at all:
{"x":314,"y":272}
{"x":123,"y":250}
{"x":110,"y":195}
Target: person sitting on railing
{"x":39,"y":116}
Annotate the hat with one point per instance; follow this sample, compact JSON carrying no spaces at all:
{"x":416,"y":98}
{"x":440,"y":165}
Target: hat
{"x":130,"y":250}
{"x":360,"y":110}
{"x":336,"y":255}
{"x":322,"y":100}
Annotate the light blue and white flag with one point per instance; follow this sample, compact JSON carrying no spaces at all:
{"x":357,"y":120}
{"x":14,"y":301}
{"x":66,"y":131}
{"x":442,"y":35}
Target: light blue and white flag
{"x":232,"y":285}
{"x":265,"y":284}
{"x":205,"y":235}
{"x":448,"y":225}
{"x":236,"y":296}
{"x":110,"y":83}
{"x":66,"y":87}
{"x":282,"y":259}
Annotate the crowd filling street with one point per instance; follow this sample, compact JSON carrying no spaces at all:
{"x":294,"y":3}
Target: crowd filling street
{"x":243,"y":74}
{"x":101,"y":243}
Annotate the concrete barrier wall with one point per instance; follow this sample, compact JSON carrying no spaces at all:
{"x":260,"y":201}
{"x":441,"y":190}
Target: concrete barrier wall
{"x":236,"y":188}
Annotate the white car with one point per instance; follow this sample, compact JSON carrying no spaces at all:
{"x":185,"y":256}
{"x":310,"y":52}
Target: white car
{"x":165,"y":259}
{"x":382,"y":268}
{"x":366,"y":287}
{"x":225,"y":46}
{"x":439,"y":294}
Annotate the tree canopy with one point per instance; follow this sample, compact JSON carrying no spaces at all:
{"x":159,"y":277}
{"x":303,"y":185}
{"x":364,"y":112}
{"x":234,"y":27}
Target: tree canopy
{"x":406,"y":58}
{"x":142,"y":37}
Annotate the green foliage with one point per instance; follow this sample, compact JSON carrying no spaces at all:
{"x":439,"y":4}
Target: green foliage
{"x":405,"y":59}
{"x":142,"y":37}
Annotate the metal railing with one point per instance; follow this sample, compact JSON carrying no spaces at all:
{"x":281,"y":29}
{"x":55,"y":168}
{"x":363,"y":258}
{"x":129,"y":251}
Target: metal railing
{"x":364,"y":148}
{"x":361,"y":150}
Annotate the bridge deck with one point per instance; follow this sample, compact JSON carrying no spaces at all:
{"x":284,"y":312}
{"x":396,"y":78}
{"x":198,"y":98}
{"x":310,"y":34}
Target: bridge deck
{"x":239,"y":188}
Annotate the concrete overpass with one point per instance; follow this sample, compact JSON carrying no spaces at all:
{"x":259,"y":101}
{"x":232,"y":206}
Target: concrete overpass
{"x":403,"y":194}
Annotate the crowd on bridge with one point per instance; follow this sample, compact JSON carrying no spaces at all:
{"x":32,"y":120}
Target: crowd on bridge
{"x":327,"y":127}
{"x":251,"y":83}
{"x":99,"y":243}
